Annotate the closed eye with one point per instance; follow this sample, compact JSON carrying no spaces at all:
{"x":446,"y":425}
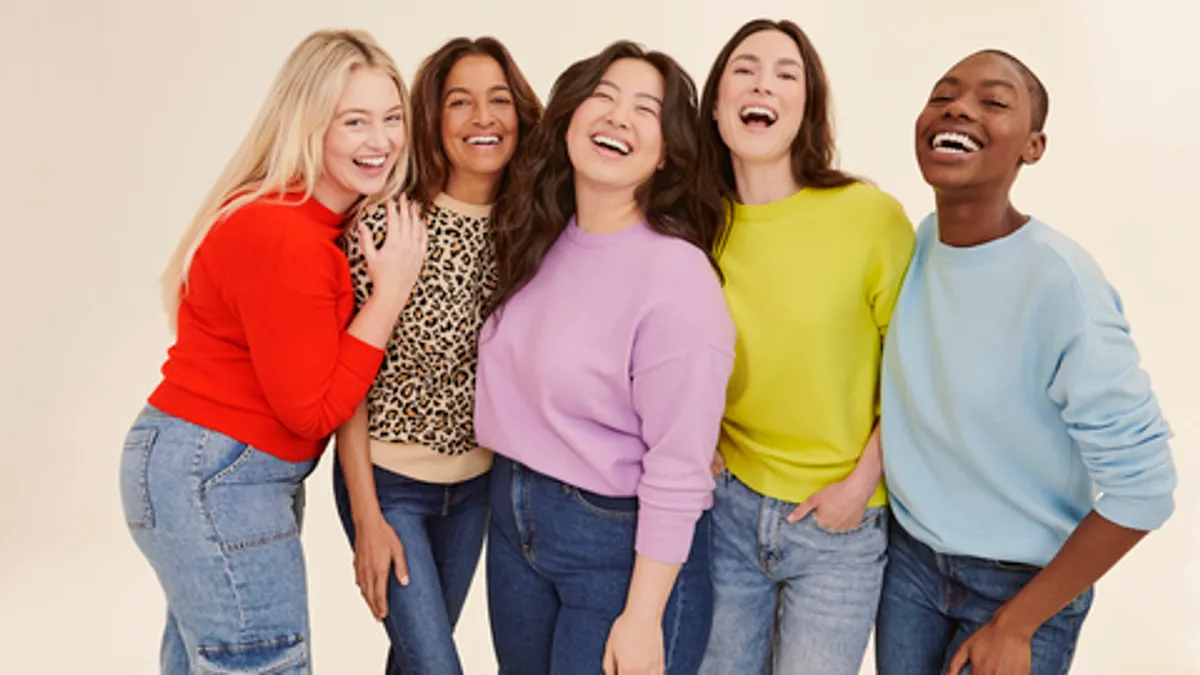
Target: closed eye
{"x":789,"y":76}
{"x":500,"y":100}
{"x":996,"y":104}
{"x":647,"y":109}
{"x":742,"y":71}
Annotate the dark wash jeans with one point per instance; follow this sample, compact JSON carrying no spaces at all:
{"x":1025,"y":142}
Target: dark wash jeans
{"x":559,"y":564}
{"x":442,"y":529}
{"x":932,"y":602}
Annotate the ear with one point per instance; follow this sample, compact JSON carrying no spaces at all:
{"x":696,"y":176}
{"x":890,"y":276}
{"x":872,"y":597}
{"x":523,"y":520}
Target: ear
{"x":1035,"y":147}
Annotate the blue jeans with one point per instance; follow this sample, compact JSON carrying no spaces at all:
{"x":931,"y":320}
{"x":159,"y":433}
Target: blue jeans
{"x":442,"y":529}
{"x":791,"y":598}
{"x":219,"y":522}
{"x":559,"y":564}
{"x":932,"y":603}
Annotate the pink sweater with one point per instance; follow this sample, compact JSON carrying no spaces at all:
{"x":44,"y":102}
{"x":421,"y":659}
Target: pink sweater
{"x":608,"y":372}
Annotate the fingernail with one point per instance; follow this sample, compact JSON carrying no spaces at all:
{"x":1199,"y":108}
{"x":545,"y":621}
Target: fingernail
{"x":404,"y":580}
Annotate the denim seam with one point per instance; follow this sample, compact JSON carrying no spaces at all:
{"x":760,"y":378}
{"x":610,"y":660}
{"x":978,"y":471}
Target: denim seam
{"x":214,"y":535}
{"x":405,"y":649}
{"x":673,"y":633}
{"x":238,"y":461}
{"x":144,"y":448}
{"x":277,"y":668}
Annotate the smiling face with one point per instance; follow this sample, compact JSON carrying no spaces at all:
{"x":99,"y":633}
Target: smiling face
{"x":977,"y":128}
{"x":760,"y":99}
{"x":363,"y":140}
{"x":479,"y":119}
{"x":615,"y":138}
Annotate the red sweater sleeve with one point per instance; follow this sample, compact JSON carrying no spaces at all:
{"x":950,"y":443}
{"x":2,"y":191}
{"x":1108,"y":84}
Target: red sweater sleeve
{"x":312,"y":372}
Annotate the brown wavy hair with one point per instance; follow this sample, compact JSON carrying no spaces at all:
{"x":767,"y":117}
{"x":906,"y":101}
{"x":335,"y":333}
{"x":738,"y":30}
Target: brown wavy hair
{"x":813,"y":150}
{"x":432,"y":169}
{"x":534,"y":211}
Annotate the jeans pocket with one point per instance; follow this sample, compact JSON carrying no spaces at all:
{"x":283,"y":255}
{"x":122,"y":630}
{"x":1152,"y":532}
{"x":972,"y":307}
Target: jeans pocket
{"x":221,"y":459}
{"x":135,"y":464}
{"x":617,"y":508}
{"x":281,"y":656}
{"x":871,"y":520}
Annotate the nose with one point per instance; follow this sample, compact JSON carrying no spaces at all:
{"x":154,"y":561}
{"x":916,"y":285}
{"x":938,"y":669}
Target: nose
{"x":618,"y":115}
{"x":958,"y":109}
{"x":483,"y":115}
{"x":762,"y":84}
{"x":378,"y":138}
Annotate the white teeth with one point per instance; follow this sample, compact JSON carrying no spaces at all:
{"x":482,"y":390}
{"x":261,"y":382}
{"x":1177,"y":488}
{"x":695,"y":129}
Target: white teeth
{"x":610,"y":142}
{"x":483,"y":140}
{"x":953,"y":142}
{"x":759,"y":111}
{"x":374,"y":162}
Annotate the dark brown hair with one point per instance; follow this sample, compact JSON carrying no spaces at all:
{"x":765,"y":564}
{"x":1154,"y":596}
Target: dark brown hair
{"x":813,"y":149}
{"x":432,"y":168}
{"x":534,"y":211}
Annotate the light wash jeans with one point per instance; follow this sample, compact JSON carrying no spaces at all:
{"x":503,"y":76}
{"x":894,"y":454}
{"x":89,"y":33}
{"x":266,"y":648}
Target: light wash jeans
{"x":219,"y":522}
{"x":791,"y":598}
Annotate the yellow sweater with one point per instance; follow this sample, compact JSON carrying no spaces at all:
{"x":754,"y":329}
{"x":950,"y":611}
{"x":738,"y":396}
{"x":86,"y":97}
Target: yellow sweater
{"x":811,"y":281}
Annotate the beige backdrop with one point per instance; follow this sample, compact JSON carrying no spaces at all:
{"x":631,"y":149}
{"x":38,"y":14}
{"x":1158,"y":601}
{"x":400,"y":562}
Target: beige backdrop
{"x":117,"y":115}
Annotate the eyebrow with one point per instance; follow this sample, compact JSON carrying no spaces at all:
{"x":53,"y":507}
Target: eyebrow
{"x":399,"y":107}
{"x":491,"y":90}
{"x":787,"y":61}
{"x":954,"y":81}
{"x":639,"y":94}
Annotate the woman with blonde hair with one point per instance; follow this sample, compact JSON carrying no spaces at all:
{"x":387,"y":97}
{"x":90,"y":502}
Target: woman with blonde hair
{"x":269,"y":357}
{"x":411,"y":483}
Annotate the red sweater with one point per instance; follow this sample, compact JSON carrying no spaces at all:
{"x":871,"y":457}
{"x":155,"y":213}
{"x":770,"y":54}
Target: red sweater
{"x":262,"y":353}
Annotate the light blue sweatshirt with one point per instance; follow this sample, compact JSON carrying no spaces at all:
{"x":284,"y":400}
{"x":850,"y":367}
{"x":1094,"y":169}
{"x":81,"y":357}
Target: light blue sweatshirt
{"x":1013,"y":402}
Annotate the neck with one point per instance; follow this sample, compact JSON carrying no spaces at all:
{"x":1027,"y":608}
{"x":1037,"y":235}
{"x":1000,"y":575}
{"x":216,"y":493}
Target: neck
{"x":472,"y":188}
{"x":971,"y":220}
{"x":764,"y":182}
{"x":602,"y":211}
{"x":338,"y":201}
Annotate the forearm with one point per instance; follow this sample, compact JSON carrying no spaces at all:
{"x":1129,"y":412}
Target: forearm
{"x":869,"y":470}
{"x":376,"y":320}
{"x":354,"y":456}
{"x":650,"y":587}
{"x":1095,"y":546}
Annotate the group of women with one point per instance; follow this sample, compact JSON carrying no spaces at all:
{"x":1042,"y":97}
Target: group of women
{"x":634,"y":342}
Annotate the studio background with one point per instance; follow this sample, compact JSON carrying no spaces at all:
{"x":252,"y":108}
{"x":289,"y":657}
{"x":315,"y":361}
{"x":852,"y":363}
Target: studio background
{"x":117,"y":116}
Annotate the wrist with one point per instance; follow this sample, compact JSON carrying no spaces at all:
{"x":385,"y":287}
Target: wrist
{"x":365,"y":514}
{"x":389,"y":295}
{"x":865,"y":478}
{"x":643,"y":612}
{"x":1009,"y":619}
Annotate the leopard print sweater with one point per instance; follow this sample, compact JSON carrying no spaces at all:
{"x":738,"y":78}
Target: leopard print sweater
{"x":424,"y":393}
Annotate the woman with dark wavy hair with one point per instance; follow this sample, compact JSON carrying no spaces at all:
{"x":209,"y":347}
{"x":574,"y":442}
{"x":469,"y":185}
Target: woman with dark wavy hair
{"x":813,"y":260}
{"x":411,"y":481}
{"x":602,"y":375}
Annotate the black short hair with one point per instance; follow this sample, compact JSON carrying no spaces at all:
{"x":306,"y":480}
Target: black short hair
{"x":1041,"y":98}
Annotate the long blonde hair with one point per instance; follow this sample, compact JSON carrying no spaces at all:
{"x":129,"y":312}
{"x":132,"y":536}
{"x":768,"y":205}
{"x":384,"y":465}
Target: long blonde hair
{"x":284,"y":148}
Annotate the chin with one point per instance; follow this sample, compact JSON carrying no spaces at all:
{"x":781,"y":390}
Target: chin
{"x":757,"y":150}
{"x":945,"y":178}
